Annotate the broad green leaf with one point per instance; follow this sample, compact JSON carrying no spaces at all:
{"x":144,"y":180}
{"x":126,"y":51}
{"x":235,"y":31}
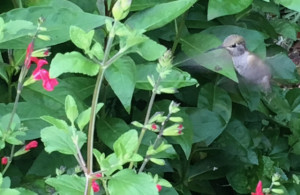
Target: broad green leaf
{"x":50,"y":162}
{"x":207,"y":125}
{"x":71,"y":108}
{"x":58,"y":123}
{"x":60,"y":15}
{"x":80,"y":38}
{"x":142,"y":4}
{"x":159,"y":15}
{"x":291,"y":4}
{"x":126,"y":144}
{"x":251,"y":94}
{"x":110,"y":129}
{"x":61,"y":140}
{"x":122,"y":77}
{"x":24,"y":191}
{"x":215,"y":99}
{"x":68,"y":184}
{"x":84,"y":117}
{"x":73,"y":62}
{"x":240,"y":181}
{"x":285,"y":73}
{"x":6,"y":191}
{"x":4,"y":121}
{"x":149,"y":50}
{"x":285,"y":28}
{"x":218,"y":61}
{"x":217,"y":8}
{"x":127,"y":182}
{"x":177,"y":78}
{"x":236,"y":140}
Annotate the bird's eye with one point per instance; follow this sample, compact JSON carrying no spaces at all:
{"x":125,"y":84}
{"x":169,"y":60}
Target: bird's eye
{"x":233,"y":46}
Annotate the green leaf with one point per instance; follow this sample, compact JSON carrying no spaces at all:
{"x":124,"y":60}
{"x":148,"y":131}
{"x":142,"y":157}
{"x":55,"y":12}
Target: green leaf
{"x":61,"y":140}
{"x":127,"y":182}
{"x":84,"y":117}
{"x":291,"y":4}
{"x":80,"y":38}
{"x":285,"y":28}
{"x":110,"y":129}
{"x":71,"y":108}
{"x":195,"y":45}
{"x":177,"y":78}
{"x":157,"y":16}
{"x":285,"y":73}
{"x":60,"y":124}
{"x":60,"y":14}
{"x":72,"y":62}
{"x":217,"y":8}
{"x":3,"y":73}
{"x":67,"y":184}
{"x":24,"y":191}
{"x":149,"y":50}
{"x":236,"y":140}
{"x":142,"y":4}
{"x":126,"y":145}
{"x":207,"y":125}
{"x":121,"y":77}
{"x":6,"y":191}
{"x":15,"y":125}
{"x":215,"y":99}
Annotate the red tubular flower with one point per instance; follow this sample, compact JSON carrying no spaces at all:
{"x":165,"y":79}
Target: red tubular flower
{"x":32,"y":144}
{"x":259,"y":190}
{"x":158,"y":187}
{"x":28,"y":55}
{"x":95,"y":186}
{"x":4,"y":160}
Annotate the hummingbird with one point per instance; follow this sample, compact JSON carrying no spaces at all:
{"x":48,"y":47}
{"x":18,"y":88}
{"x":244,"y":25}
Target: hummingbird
{"x":248,"y":65}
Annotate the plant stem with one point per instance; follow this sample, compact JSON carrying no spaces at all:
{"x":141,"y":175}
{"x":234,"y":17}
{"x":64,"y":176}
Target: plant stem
{"x":96,"y":93}
{"x":143,"y":131}
{"x":9,"y":160}
{"x":178,"y":32}
{"x":155,"y":145}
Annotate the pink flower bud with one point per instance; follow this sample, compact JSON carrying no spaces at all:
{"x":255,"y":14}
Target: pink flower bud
{"x":154,"y":126}
{"x":4,"y":160}
{"x":28,"y":55}
{"x":95,"y":186}
{"x":32,"y":144}
{"x":158,"y":187}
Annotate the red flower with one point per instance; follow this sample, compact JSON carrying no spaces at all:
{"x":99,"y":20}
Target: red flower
{"x":158,"y":187}
{"x":154,"y":126}
{"x":259,"y":190}
{"x":180,"y":128}
{"x":28,"y":55}
{"x":32,"y":144}
{"x":4,"y":160}
{"x":42,"y":74}
{"x":95,"y":186}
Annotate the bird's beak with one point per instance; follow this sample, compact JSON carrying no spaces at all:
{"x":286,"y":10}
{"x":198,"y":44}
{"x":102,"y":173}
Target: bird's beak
{"x":220,"y":47}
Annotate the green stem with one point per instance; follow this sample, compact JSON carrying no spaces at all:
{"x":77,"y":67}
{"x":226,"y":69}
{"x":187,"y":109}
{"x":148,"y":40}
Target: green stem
{"x":178,"y":33}
{"x":143,"y":131}
{"x":155,"y":145}
{"x":9,"y":160}
{"x":96,"y":93}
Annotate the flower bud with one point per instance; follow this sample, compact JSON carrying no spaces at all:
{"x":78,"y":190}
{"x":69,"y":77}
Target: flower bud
{"x":169,"y":90}
{"x":277,"y":191}
{"x":176,"y":119}
{"x":125,"y":4}
{"x":158,"y":161}
{"x":44,"y":37}
{"x":4,"y":160}
{"x":117,"y":11}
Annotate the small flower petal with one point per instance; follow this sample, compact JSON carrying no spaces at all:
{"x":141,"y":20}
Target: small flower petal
{"x":95,"y":186}
{"x":158,"y":187}
{"x":4,"y":160}
{"x":28,"y":55}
